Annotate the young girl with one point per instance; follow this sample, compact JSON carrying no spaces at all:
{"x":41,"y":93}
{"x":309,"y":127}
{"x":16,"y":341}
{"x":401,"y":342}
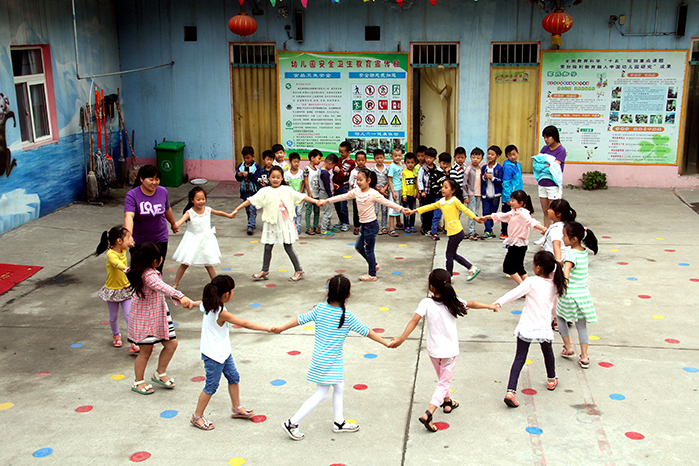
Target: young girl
{"x":333,"y":323}
{"x":149,"y":319}
{"x":441,"y":311}
{"x":277,"y":201}
{"x":450,"y":205}
{"x":117,"y":289}
{"x":559,"y":213}
{"x":199,"y":245}
{"x":216,"y":349}
{"x":360,"y":159}
{"x":519,"y":222}
{"x":576,"y":305}
{"x":366,"y":196}
{"x":535,"y":322}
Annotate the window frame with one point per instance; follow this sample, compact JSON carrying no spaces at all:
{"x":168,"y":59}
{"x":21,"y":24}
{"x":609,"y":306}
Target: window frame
{"x":515,"y":43}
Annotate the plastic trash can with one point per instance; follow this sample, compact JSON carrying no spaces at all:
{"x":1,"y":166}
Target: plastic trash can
{"x":170,"y":162}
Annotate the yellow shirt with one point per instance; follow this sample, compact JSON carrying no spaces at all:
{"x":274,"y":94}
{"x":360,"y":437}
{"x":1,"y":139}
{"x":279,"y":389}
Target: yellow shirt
{"x":409,"y":183}
{"x":450,"y":210}
{"x":116,"y":278}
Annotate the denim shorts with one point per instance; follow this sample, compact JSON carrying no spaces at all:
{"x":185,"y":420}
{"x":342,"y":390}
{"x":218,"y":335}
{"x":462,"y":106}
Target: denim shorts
{"x":215,"y":369}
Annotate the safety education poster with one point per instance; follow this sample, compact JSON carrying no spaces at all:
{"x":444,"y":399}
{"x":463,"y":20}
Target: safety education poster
{"x":326,"y":98}
{"x":614,"y":107}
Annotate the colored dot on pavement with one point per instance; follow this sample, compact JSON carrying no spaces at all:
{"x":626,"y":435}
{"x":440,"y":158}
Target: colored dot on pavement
{"x":395,"y":273}
{"x":237,"y":326}
{"x":623,"y":263}
{"x":632,"y":279}
{"x":384,"y":308}
{"x":660,"y":239}
{"x":270,"y":285}
{"x":259,"y":418}
{"x":456,"y":274}
{"x":168,"y":414}
{"x":302,"y":242}
{"x":308,"y":327}
{"x":226,"y":269}
{"x":441,"y":425}
{"x":672,"y":340}
{"x":350,"y":244}
{"x":104,"y":322}
{"x":378,"y":330}
{"x":617,"y":396}
{"x":529,"y":391}
{"x":370,"y":356}
{"x":175,"y":324}
{"x":171,"y":270}
{"x":139,"y":456}
{"x":4,"y":406}
{"x":351,"y":421}
{"x":635,"y":436}
{"x":658,"y":317}
{"x":42,"y":374}
{"x":516,"y":312}
{"x":528,"y":361}
{"x":117,"y":376}
{"x":607,"y":237}
{"x":198,"y":378}
{"x":684,"y":264}
{"x":281,"y":270}
{"x":255,"y":305}
{"x":606,"y":364}
{"x":644,"y":296}
{"x":278,"y":382}
{"x":360,"y":386}
{"x":340,"y":271}
{"x":76,"y":345}
{"x":693,"y":370}
{"x":402,"y":245}
{"x":347,"y":257}
{"x":399,"y":258}
{"x":614,"y":250}
{"x":238,"y":255}
{"x":669,"y":250}
{"x":390,"y":289}
{"x":236,"y":462}
{"x":253,"y":242}
{"x":534,"y":430}
{"x":695,"y":280}
{"x":83,"y":409}
{"x":594,"y":337}
{"x":41,"y":452}
{"x":293,"y":353}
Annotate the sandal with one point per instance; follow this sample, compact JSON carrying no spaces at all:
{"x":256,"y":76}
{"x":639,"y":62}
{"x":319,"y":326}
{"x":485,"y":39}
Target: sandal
{"x":205,"y":425}
{"x":117,"y":343}
{"x":247,"y":414}
{"x":451,"y":404}
{"x":551,"y":385}
{"x":383,"y":231}
{"x":134,"y":349}
{"x":393,"y":233}
{"x":475,"y":237}
{"x":147,"y":390}
{"x":584,"y":363}
{"x":566,"y":354}
{"x":297,"y":276}
{"x":310,"y":232}
{"x":317,"y":230}
{"x":510,"y":399}
{"x":427,"y":422}
{"x":367,"y":278}
{"x":158,"y":378}
{"x":261,"y":276}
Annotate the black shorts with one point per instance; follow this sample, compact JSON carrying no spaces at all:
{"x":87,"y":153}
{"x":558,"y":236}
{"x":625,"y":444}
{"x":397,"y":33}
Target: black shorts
{"x":514,"y":260}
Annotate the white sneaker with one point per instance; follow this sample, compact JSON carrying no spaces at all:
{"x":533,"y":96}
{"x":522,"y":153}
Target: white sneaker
{"x":293,"y":430}
{"x":345,"y":427}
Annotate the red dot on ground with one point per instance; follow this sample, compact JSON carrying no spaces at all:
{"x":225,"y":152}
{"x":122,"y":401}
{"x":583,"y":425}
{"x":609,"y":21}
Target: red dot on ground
{"x":339,"y":271}
{"x":139,"y":456}
{"x":337,"y":464}
{"x":456,"y":273}
{"x":607,"y":237}
{"x":83,"y":409}
{"x":378,"y":330}
{"x":259,"y":418}
{"x":644,"y":296}
{"x":672,"y":340}
{"x":171,"y":270}
{"x":271,"y":285}
{"x":669,"y":250}
{"x":199,"y":378}
{"x":635,"y":436}
{"x":623,"y":263}
{"x":606,"y":364}
{"x":399,"y":258}
{"x":42,"y":374}
{"x":529,"y":391}
{"x":390,"y":289}
{"x":237,"y":326}
{"x":293,"y":353}
{"x":302,"y":242}
{"x":441,"y":425}
{"x":104,"y":322}
{"x":360,"y":386}
{"x":694,"y":280}
{"x":238,"y":255}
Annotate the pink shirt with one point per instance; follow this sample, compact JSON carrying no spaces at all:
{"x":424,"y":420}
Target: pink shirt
{"x":519,"y":223}
{"x":365,"y":203}
{"x":539,"y":307}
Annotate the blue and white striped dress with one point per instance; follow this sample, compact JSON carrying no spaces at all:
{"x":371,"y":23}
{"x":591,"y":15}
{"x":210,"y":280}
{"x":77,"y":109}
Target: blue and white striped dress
{"x":327,"y":365}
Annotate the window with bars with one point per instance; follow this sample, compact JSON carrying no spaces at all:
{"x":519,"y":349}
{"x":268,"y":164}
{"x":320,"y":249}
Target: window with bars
{"x":31,"y":94}
{"x":258,"y":55}
{"x":694,"y":53}
{"x":514,"y":54}
{"x":434,"y":54}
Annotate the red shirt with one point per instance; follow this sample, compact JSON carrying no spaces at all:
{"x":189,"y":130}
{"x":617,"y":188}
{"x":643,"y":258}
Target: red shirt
{"x":342,"y":177}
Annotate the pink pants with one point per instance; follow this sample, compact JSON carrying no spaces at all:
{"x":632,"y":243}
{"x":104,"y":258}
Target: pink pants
{"x":444,"y":368}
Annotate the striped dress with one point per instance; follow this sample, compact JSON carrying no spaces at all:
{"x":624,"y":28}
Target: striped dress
{"x":576,"y":304}
{"x":327,"y":366}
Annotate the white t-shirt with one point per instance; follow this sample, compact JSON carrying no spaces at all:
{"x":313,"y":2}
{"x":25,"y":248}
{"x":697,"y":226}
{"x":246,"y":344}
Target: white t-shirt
{"x":442,"y":335}
{"x":215,"y":342}
{"x":555,"y":233}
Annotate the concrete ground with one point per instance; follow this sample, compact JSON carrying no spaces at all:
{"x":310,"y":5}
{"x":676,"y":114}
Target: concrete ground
{"x":62,"y":403}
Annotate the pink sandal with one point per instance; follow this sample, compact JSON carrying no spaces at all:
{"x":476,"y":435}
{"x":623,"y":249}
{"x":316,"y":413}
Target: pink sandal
{"x":566,"y":354}
{"x":117,"y":343}
{"x":510,"y":399}
{"x":205,"y":425}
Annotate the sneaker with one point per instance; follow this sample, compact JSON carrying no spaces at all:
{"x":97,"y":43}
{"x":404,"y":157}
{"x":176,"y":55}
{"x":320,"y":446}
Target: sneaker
{"x":345,"y":427}
{"x":327,"y":233}
{"x":435,"y":237}
{"x":293,"y":430}
{"x":487,"y":235}
{"x":503,"y":236}
{"x":250,"y":230}
{"x":337,"y":225}
{"x":345,"y":227}
{"x":333,"y":230}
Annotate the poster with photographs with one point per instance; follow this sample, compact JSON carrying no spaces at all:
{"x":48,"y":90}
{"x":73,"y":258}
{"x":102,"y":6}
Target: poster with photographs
{"x":614,"y":107}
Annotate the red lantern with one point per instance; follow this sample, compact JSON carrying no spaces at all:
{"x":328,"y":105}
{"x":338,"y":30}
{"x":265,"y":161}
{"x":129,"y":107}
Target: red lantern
{"x":242,"y":24}
{"x":557,"y":23}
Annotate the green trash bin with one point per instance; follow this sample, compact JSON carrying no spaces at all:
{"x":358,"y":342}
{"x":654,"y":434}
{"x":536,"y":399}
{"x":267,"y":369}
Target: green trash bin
{"x":170,"y":162}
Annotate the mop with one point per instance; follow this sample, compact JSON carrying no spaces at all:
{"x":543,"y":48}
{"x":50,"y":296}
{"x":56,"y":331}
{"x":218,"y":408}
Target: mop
{"x":92,"y":186}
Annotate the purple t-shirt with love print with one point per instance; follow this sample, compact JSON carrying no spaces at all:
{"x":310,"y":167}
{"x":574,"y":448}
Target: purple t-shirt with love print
{"x":149,"y":222}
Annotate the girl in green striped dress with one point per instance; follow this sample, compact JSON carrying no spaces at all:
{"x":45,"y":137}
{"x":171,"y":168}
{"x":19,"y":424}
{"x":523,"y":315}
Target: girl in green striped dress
{"x":576,"y":304}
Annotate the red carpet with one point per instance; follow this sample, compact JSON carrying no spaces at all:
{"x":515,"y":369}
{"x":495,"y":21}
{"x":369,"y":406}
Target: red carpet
{"x":11,"y":274}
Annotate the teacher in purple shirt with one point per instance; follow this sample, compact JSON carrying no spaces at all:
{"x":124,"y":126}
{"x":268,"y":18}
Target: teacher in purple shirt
{"x":147,"y":211}
{"x":548,"y":190}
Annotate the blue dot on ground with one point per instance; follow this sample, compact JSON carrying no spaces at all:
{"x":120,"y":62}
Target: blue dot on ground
{"x":255,"y":305}
{"x":350,"y":244}
{"x":41,"y":452}
{"x":534,"y":430}
{"x":684,"y":264}
{"x":278,"y":382}
{"x":175,"y":324}
{"x":76,"y":345}
{"x":370,"y":356}
{"x":617,"y":396}
{"x":168,"y":413}
{"x":409,"y":234}
{"x":632,"y":279}
{"x":516,"y":312}
{"x":693,"y":370}
{"x":227,"y":268}
{"x":395,"y":273}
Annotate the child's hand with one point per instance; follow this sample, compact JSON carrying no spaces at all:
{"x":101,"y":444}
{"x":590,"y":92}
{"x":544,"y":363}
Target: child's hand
{"x":395,"y":343}
{"x":185,"y":302}
{"x":194,"y":304}
{"x":276,"y":330}
{"x":495,"y":307}
{"x":234,"y":213}
{"x":175,"y":229}
{"x":321,"y":202}
{"x":466,"y":200}
{"x":405,"y":199}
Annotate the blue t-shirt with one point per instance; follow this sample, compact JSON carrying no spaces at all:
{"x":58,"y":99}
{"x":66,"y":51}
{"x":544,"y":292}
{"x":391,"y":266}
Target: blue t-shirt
{"x":396,"y":171}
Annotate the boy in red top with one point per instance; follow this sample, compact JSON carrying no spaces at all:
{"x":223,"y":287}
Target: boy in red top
{"x":341,"y":179}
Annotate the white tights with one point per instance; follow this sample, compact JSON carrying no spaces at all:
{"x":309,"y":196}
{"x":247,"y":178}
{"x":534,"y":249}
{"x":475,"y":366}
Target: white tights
{"x":320,"y":394}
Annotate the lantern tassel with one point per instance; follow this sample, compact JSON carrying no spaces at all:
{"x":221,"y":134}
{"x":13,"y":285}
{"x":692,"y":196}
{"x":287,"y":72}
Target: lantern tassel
{"x":556,"y":39}
{"x":273,"y":2}
{"x":433,"y":2}
{"x":400,"y":2}
{"x":241,"y":2}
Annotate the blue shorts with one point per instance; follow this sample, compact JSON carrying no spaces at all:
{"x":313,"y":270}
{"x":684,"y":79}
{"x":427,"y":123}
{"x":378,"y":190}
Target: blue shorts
{"x":215,"y":369}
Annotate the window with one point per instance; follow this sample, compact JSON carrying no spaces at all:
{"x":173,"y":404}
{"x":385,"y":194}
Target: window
{"x":258,"y":55}
{"x":514,"y":54}
{"x":694,"y":52}
{"x":32,"y":94}
{"x":433,"y":54}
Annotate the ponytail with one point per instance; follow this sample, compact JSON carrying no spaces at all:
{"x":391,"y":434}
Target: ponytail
{"x":458,"y":193}
{"x":584,"y":235}
{"x":338,"y":291}
{"x":524,"y":198}
{"x":141,"y":260}
{"x":551,"y":268}
{"x":563,"y":208}
{"x":211,"y":298}
{"x":440,"y":280}
{"x":109,"y":238}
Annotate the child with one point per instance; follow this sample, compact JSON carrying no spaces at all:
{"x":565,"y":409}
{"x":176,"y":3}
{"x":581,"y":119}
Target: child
{"x":420,"y":154}
{"x":279,"y":153}
{"x":576,"y":304}
{"x":472,"y":180}
{"x":395,"y":184}
{"x":440,"y":311}
{"x":311,"y":185}
{"x":381,"y":171}
{"x":342,"y":171}
{"x":199,"y":245}
{"x":441,"y":173}
{"x":117,"y":289}
{"x":560,"y":212}
{"x":518,"y":240}
{"x":366,"y":196}
{"x":268,"y":161}
{"x":333,"y":323}
{"x":294,"y":178}
{"x":450,"y":205}
{"x":458,"y":170}
{"x":423,"y":185}
{"x":360,"y":158}
{"x":215,"y":349}
{"x":511,"y":181}
{"x":327,"y":189}
{"x":277,"y":202}
{"x":409,"y":191}
{"x":491,"y":187}
{"x":149,"y":317}
{"x":534,"y":323}
{"x":247,"y":173}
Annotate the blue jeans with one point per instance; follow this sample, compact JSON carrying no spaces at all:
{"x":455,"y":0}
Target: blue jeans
{"x":341,"y":207}
{"x":215,"y":369}
{"x":252,"y":215}
{"x":435,"y":220}
{"x":473,"y":203}
{"x":490,"y":206}
{"x":365,"y":244}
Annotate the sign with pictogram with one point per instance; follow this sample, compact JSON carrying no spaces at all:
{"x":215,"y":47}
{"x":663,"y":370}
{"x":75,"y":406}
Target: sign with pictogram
{"x":395,"y":121}
{"x":369,"y":90}
{"x":395,"y":105}
{"x":356,"y":119}
{"x":383,"y":89}
{"x":382,"y":121}
{"x":369,"y":105}
{"x":370,"y":119}
{"x":383,"y":104}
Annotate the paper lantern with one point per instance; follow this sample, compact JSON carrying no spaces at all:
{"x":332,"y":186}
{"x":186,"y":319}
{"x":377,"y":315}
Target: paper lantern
{"x":242,"y":24}
{"x":304,"y":3}
{"x":400,"y":2}
{"x":557,"y":23}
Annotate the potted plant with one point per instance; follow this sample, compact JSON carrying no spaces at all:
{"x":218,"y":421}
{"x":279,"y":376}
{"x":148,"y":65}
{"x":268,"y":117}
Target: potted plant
{"x":594,"y":180}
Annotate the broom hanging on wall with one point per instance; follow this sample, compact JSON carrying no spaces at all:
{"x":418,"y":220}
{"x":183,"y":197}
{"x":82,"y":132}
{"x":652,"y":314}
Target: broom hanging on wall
{"x":92,"y":186}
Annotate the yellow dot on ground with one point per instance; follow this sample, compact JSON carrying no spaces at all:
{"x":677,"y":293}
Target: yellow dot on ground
{"x":281,"y":270}
{"x":614,"y":250}
{"x":384,"y":309}
{"x":254,"y":241}
{"x":660,"y":239}
{"x":402,"y":245}
{"x":528,"y":361}
{"x":658,"y":317}
{"x":455,"y":290}
{"x":451,"y":390}
{"x":347,"y":257}
{"x":308,"y":327}
{"x":4,"y":406}
{"x":594,"y":337}
{"x":117,"y":376}
{"x":351,"y":421}
{"x":237,"y":461}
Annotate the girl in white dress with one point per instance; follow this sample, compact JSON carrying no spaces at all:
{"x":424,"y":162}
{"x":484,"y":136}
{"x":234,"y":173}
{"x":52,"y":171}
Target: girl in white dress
{"x":199,"y":245}
{"x":277,"y":202}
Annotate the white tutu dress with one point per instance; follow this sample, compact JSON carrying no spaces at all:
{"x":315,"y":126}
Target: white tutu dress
{"x":199,"y":245}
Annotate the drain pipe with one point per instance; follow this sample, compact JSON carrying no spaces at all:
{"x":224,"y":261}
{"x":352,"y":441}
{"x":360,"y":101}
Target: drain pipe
{"x":655,"y":28}
{"x":77,"y":61}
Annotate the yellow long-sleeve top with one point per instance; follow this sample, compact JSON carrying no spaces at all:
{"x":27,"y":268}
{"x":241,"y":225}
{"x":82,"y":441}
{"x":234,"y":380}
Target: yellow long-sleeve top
{"x":116,"y":278}
{"x":450,"y":209}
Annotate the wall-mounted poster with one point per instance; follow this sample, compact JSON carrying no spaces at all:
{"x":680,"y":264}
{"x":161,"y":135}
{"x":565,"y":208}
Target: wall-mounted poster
{"x":326,"y":98}
{"x":614,"y":107}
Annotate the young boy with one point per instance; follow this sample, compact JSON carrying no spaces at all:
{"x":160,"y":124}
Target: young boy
{"x":420,"y":154}
{"x":247,"y":173}
{"x":409,"y":190}
{"x":491,"y":187}
{"x":311,"y":183}
{"x":326,"y":191}
{"x":423,"y":186}
{"x":342,"y":172}
{"x":279,"y":153}
{"x":459,"y":168}
{"x":361,"y":165}
{"x":395,"y":184}
{"x":294,"y":177}
{"x":472,"y":192}
{"x":268,"y":160}
{"x":511,"y":181}
{"x":381,"y":171}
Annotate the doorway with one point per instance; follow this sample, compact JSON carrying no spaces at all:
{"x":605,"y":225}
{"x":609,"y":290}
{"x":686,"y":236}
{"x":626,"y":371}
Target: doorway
{"x":691,"y":126}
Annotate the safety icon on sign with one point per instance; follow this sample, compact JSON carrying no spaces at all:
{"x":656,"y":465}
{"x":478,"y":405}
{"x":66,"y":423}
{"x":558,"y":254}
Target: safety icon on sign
{"x":382,"y":121}
{"x":356,"y":119}
{"x":369,"y":105}
{"x":370,"y":119}
{"x":383,"y":89}
{"x":369,"y":90}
